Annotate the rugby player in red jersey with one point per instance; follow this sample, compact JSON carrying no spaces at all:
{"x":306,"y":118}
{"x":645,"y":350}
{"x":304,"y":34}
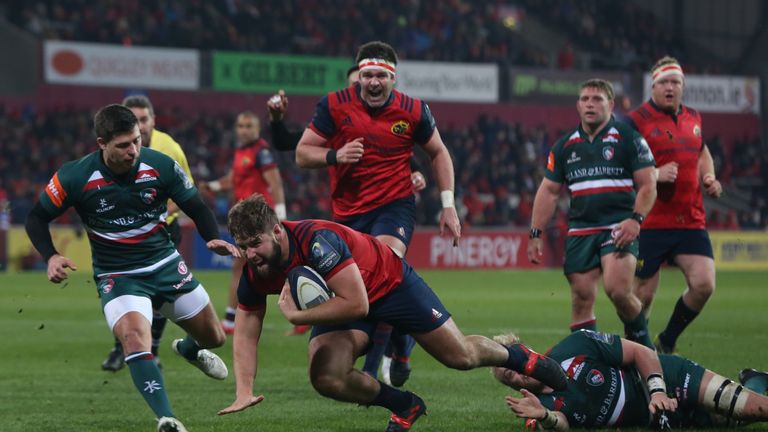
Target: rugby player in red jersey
{"x":371,"y":284}
{"x":254,"y":170}
{"x":365,"y":135}
{"x":675,"y":229}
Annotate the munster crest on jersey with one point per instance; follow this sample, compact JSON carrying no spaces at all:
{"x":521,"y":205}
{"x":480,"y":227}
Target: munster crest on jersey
{"x":400,"y":128}
{"x":697,"y":130}
{"x":148,"y":195}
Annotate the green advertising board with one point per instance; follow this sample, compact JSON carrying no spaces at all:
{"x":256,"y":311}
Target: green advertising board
{"x":266,"y":73}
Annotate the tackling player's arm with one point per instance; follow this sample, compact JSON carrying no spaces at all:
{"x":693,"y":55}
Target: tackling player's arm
{"x":543,"y":208}
{"x":530,"y":407}
{"x":245,"y":353}
{"x":707,"y":171}
{"x":349,"y":303}
{"x":647,"y":363}
{"x":202,"y":216}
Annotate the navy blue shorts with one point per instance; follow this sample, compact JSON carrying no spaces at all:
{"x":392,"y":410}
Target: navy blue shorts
{"x":660,"y":245}
{"x":395,"y":218}
{"x":412,"y":307}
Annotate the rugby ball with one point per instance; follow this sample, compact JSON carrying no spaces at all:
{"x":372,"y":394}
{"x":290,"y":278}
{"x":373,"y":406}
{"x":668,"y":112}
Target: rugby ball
{"x":308,"y":288}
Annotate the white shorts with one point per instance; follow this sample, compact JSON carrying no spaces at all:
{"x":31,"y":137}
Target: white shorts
{"x":185,"y":307}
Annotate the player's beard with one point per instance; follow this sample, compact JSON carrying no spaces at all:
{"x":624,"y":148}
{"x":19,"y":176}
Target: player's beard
{"x":272,"y":263}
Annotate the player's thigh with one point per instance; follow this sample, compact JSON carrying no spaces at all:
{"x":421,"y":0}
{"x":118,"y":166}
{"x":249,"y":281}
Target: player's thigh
{"x":584,"y":284}
{"x":334,"y":352}
{"x":194,"y":313}
{"x":445,"y":343}
{"x":619,"y":271}
{"x":699,"y":271}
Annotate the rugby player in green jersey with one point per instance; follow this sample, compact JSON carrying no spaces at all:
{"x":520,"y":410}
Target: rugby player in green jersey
{"x":614,"y":382}
{"x":121,"y":193}
{"x":609,"y":171}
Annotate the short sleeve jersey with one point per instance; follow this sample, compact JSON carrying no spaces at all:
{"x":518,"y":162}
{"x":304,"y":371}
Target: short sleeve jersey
{"x":599,"y":175}
{"x":327,"y":247}
{"x":124,"y":215}
{"x":674,"y":138}
{"x":599,"y":394}
{"x":251,"y":161}
{"x":389,"y":133}
{"x":165,"y":144}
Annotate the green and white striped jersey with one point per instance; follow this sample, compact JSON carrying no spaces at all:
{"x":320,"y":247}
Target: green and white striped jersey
{"x":124,"y":215}
{"x":599,"y":174}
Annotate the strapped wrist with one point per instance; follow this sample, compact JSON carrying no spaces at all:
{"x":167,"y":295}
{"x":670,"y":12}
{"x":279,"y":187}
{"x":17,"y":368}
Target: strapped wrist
{"x":446,"y":197}
{"x":656,"y":384}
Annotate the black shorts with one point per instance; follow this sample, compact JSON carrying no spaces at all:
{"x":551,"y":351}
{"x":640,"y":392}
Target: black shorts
{"x":412,"y":307}
{"x":660,"y":245}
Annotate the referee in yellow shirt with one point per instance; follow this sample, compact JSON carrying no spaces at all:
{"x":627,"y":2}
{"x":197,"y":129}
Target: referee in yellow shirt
{"x":164,"y":143}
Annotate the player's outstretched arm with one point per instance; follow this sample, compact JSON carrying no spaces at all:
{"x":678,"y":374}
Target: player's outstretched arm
{"x":245,"y":350}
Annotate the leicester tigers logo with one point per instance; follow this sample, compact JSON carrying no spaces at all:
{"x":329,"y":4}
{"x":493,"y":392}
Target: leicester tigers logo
{"x":595,"y":378}
{"x":148,"y":195}
{"x":400,"y":128}
{"x":608,"y":153}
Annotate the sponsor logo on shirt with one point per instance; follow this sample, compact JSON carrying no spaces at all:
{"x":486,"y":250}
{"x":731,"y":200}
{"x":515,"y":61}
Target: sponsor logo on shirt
{"x":551,"y":162}
{"x":574,"y":158}
{"x":55,"y":192}
{"x":104,"y":206}
{"x":697,"y":130}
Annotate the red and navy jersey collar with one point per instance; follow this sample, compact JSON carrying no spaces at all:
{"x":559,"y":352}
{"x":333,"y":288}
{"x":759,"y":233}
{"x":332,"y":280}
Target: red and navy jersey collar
{"x":674,"y":116}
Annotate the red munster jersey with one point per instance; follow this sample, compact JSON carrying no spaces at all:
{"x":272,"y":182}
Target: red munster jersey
{"x":327,"y":247}
{"x":251,"y":161}
{"x":389,"y":132}
{"x":674,"y":138}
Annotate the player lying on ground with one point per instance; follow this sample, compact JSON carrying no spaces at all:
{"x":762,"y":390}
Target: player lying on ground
{"x":610,"y":380}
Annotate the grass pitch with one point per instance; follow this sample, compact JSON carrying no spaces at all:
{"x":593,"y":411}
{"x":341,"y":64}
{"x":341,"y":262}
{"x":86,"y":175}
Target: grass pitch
{"x":54,"y":339}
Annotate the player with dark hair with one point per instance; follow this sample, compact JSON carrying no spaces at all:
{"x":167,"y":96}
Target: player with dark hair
{"x":121,"y":192}
{"x":156,"y":140}
{"x":613,"y":382}
{"x":675,"y":230}
{"x":371,"y":283}
{"x":254,"y":170}
{"x":608,"y":169}
{"x":365,"y":136}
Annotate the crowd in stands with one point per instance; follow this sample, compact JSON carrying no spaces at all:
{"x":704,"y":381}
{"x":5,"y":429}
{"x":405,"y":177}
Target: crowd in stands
{"x":498,"y":165}
{"x":445,"y":30}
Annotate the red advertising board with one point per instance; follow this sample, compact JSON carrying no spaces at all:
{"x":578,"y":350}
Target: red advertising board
{"x":478,"y":249}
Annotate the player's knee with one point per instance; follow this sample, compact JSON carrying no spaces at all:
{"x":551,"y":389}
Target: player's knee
{"x":328,"y":385}
{"x":703,"y":289}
